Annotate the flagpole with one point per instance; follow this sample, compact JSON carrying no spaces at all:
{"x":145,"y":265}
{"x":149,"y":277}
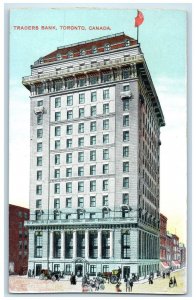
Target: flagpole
{"x":137,"y":34}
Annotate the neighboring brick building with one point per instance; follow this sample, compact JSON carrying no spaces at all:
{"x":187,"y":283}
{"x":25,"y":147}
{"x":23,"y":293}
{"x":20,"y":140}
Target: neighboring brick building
{"x":182,"y":250}
{"x":18,"y":240}
{"x":163,"y":242}
{"x":95,"y":159}
{"x":175,"y":263}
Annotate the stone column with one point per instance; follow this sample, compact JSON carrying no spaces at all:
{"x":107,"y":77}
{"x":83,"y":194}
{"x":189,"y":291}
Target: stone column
{"x":62,"y":244}
{"x":51,"y":244}
{"x":74,"y":244}
{"x":99,"y":244}
{"x":111,"y":243}
{"x":87,"y":244}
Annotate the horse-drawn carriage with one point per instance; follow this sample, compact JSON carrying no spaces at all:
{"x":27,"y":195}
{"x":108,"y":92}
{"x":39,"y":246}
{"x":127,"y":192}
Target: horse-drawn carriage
{"x":112,"y":277}
{"x":48,"y":274}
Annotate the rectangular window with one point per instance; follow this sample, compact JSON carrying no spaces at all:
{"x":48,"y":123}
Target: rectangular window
{"x":38,"y":203}
{"x":126,"y":182}
{"x":81,"y":142}
{"x":69,"y":100}
{"x":69,"y":143}
{"x":93,"y":110}
{"x":39,"y":133}
{"x":125,"y":104}
{"x":93,"y":270}
{"x":39,"y":119}
{"x":39,"y":161}
{"x":93,"y":155}
{"x":125,"y":136}
{"x":80,"y":202}
{"x":38,"y":244}
{"x":126,"y":121}
{"x":92,"y":215}
{"x":40,"y":103}
{"x":92,"y":201}
{"x":57,"y":116}
{"x":93,"y":79}
{"x":39,"y":147}
{"x":57,"y":188}
{"x":106,"y":139}
{"x":57,"y":131}
{"x":126,"y":74}
{"x":125,"y":245}
{"x":126,"y":87}
{"x":81,"y":128}
{"x":92,"y":185}
{"x":93,"y":126}
{"x":81,"y":112}
{"x":70,"y":83}
{"x":39,"y":189}
{"x":57,"y":173}
{"x":82,"y":82}
{"x":39,"y":175}
{"x":81,"y":186}
{"x":93,"y":96}
{"x":80,"y":171}
{"x":69,"y":129}
{"x":105,"y":169}
{"x":81,"y":98}
{"x":105,"y":185}
{"x":80,"y":156}
{"x":125,"y":166}
{"x":57,"y":102}
{"x":68,"y":172}
{"x":106,"y":108}
{"x":69,"y":187}
{"x":57,"y":159}
{"x":105,"y":268}
{"x":106,"y":94}
{"x":69,"y":158}
{"x":57,"y":203}
{"x":106,"y":77}
{"x":68,"y":202}
{"x":57,"y":144}
{"x":105,"y":154}
{"x":105,"y":200}
{"x":125,"y":199}
{"x":105,"y":214}
{"x":125,"y":151}
{"x":93,"y":170}
{"x":93,"y":140}
{"x":105,"y":124}
{"x":69,"y":115}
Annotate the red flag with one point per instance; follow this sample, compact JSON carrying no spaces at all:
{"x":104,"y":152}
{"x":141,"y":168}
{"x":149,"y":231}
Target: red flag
{"x":139,"y":19}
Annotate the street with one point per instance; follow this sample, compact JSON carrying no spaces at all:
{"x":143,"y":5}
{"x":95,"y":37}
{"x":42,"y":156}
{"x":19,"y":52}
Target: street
{"x":22,"y":284}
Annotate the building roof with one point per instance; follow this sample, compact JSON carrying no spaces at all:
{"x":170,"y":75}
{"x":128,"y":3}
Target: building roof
{"x":12,"y":206}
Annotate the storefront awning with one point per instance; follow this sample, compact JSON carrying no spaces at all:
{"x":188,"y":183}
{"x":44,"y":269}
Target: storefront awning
{"x":164,"y":265}
{"x":175,"y":263}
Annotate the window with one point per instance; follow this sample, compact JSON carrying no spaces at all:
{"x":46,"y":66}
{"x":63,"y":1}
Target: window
{"x":69,"y":129}
{"x":70,"y":83}
{"x":81,"y":128}
{"x":93,"y":96}
{"x":125,"y":245}
{"x":57,"y":159}
{"x":93,"y":170}
{"x":69,"y":187}
{"x":39,"y":189}
{"x":126,"y":166}
{"x":57,"y":203}
{"x":105,"y":213}
{"x":57,"y":102}
{"x":20,"y":224}
{"x":93,"y":126}
{"x":38,"y":244}
{"x":92,"y":215}
{"x":81,"y":186}
{"x":80,"y":202}
{"x":39,"y":119}
{"x":125,"y":136}
{"x":126,"y":73}
{"x":57,"y":131}
{"x":125,"y":120}
{"x":126,"y":182}
{"x":105,"y":185}
{"x":39,"y":161}
{"x":106,"y":94}
{"x":26,"y":234}
{"x":81,"y":112}
{"x":80,"y":215}
{"x":105,"y":154}
{"x":93,"y":155}
{"x":69,"y":143}
{"x":82,"y":52}
{"x":105,"y":169}
{"x":68,"y":269}
{"x":80,"y":142}
{"x":57,"y":188}
{"x":68,"y":202}
{"x":94,"y":49}
{"x":39,"y":147}
{"x":80,"y":156}
{"x":93,"y":79}
{"x":106,"y":108}
{"x":69,"y":158}
{"x":107,"y":47}
{"x":39,"y":175}
{"x":105,"y":124}
{"x":20,"y":214}
{"x":106,"y":139}
{"x":82,"y":81}
{"x":92,"y":201}
{"x":125,"y":151}
{"x":57,"y":173}
{"x":38,"y":203}
{"x":57,"y":116}
{"x":25,"y":215}
{"x":126,"y":87}
{"x":57,"y":144}
{"x":69,"y":100}
{"x":80,"y":171}
{"x":40,"y":103}
{"x":81,"y":98}
{"x":39,"y":133}
{"x":92,"y":186}
{"x":125,"y":199}
{"x":127,"y":43}
{"x":93,"y":140}
{"x":93,"y":110}
{"x":125,"y":104}
{"x":69,"y":115}
{"x":70,"y":54}
{"x":105,"y":200}
{"x":105,"y":268}
{"x":68,"y":172}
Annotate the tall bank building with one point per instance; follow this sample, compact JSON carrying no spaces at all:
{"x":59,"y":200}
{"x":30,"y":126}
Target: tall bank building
{"x":95,"y":159}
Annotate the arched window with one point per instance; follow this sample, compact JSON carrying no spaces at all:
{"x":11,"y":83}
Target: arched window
{"x":82,"y":52}
{"x":58,"y":56}
{"x":107,"y":47}
{"x":70,"y":54}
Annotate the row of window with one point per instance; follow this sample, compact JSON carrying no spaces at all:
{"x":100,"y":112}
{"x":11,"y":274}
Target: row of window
{"x":21,"y":214}
{"x":92,"y":269}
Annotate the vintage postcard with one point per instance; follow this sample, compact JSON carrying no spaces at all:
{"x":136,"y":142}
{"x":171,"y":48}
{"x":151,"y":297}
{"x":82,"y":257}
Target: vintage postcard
{"x":98,"y":189}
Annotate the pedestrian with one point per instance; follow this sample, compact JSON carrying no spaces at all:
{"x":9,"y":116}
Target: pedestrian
{"x":131,"y":284}
{"x":171,"y":282}
{"x":128,"y":285}
{"x":33,"y":273}
{"x":163,"y":275}
{"x":175,"y":282}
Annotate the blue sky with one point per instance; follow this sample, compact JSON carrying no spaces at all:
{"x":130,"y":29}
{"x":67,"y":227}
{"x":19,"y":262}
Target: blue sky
{"x":163,"y":41}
